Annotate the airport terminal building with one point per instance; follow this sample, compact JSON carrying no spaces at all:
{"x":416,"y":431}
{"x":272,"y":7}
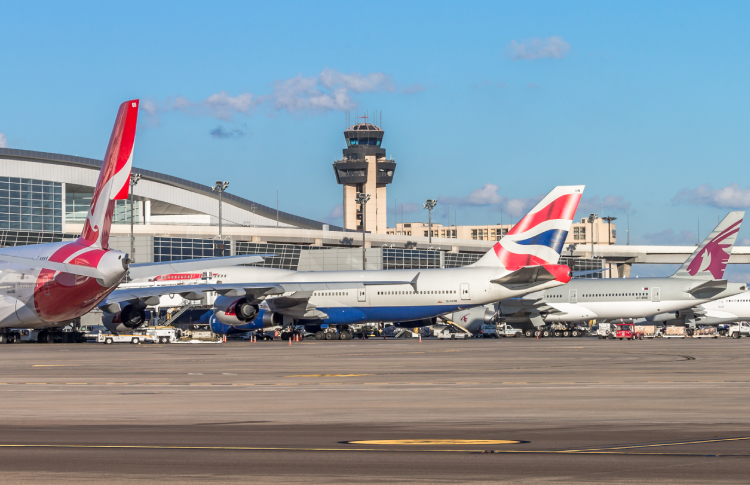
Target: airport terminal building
{"x":44,"y":197}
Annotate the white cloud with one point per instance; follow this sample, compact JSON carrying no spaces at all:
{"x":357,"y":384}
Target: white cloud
{"x":3,"y":141}
{"x":222,"y":133}
{"x":328,"y":91}
{"x":488,"y":196}
{"x":730,"y":197}
{"x":554,"y":47}
{"x":610,"y":204}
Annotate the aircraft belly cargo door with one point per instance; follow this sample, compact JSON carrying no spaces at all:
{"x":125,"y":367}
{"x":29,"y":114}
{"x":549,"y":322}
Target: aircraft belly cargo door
{"x":465,"y":291}
{"x":655,"y":294}
{"x":573,"y":296}
{"x":361,"y":295}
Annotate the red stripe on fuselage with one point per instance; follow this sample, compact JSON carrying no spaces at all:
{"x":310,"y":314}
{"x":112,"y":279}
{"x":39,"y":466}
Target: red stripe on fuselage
{"x":564,"y":207}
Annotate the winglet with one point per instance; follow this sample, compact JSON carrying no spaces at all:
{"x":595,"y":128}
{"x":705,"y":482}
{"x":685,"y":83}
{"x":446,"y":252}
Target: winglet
{"x":414,"y":281}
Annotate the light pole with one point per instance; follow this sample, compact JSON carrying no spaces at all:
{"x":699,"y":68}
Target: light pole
{"x":362,"y":198}
{"x":134,"y":178}
{"x":609,"y":220}
{"x":220,"y":187}
{"x":592,"y":218}
{"x":429,"y":205}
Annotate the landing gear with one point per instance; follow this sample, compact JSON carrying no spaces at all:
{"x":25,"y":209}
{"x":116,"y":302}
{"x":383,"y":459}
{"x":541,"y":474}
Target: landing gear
{"x":320,"y":335}
{"x":345,"y":335}
{"x":45,"y":337}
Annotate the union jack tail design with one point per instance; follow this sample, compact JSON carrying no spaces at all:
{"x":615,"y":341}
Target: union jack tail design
{"x":539,"y":237}
{"x":709,"y":261}
{"x":114,"y":177}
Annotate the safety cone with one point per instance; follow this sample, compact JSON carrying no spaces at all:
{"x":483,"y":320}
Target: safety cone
{"x":224,"y":339}
{"x":420,"y":338}
{"x":290,"y":340}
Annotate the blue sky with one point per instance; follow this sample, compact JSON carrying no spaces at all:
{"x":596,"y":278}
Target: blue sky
{"x":486,"y":106}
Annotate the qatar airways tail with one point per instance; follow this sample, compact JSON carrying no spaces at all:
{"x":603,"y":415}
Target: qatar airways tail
{"x":47,"y":285}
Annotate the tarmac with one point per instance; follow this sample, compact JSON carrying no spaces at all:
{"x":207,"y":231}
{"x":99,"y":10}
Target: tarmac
{"x":565,"y":410}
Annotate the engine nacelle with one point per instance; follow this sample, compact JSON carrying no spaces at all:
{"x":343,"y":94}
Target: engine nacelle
{"x":265,"y":319}
{"x":664,"y":317}
{"x":124,"y":321}
{"x":234,"y":311}
{"x":473,"y":318}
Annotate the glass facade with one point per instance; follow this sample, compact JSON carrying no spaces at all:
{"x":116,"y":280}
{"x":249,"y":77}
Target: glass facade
{"x":175,"y":248}
{"x":582,"y":264}
{"x":459,"y":260}
{"x":23,"y":238}
{"x":77,"y":207}
{"x":287,"y":255}
{"x":410,"y":259}
{"x":30,"y":205}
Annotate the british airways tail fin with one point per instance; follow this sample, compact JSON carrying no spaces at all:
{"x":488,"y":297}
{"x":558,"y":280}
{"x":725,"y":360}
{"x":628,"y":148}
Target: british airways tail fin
{"x":709,"y":261}
{"x":114,"y":177}
{"x":539,"y":237}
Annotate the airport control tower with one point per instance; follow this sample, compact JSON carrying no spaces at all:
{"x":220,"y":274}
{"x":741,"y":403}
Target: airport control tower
{"x":364,"y":168}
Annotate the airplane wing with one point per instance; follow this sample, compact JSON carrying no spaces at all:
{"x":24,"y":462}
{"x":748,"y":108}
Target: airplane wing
{"x":145,"y":270}
{"x":75,"y":269}
{"x":149,"y":294}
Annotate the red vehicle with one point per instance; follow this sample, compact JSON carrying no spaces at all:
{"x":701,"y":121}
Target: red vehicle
{"x":627,"y":331}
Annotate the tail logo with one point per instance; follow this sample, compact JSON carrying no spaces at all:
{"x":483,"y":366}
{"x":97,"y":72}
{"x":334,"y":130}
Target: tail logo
{"x":714,"y":257}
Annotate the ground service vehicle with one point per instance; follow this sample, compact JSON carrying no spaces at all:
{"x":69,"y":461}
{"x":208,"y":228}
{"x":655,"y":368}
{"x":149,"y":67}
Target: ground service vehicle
{"x":648,"y":331}
{"x":451,"y":333}
{"x":675,"y":331}
{"x":123,"y":339}
{"x":505,"y":330}
{"x":742,"y":329}
{"x":706,"y":332}
{"x":488,"y":331}
{"x":626,"y":331}
{"x":163,"y":335}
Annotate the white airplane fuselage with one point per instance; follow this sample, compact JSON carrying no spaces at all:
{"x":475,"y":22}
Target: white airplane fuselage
{"x":437,"y":291}
{"x":583,"y":300}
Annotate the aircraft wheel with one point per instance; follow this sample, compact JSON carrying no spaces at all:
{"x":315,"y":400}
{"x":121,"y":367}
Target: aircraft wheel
{"x":529,"y":333}
{"x":345,"y":335}
{"x":319,"y":335}
{"x":330,"y":335}
{"x":557,"y":333}
{"x":546,"y":333}
{"x":566,"y":333}
{"x":574,"y":333}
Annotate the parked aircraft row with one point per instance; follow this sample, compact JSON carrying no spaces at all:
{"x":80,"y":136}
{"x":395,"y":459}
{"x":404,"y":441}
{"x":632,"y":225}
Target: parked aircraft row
{"x":47,"y":285}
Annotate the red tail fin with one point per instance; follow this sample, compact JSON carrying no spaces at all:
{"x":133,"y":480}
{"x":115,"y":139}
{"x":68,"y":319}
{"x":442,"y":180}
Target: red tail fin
{"x":114,"y":178}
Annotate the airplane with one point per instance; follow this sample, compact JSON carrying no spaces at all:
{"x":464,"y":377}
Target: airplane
{"x":525,"y":260}
{"x":717,"y":312}
{"x":698,"y":281}
{"x":45,"y":286}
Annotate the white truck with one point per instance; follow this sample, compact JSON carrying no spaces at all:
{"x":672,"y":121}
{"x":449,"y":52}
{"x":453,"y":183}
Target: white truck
{"x":505,"y":330}
{"x":124,"y":339}
{"x":741,"y":329}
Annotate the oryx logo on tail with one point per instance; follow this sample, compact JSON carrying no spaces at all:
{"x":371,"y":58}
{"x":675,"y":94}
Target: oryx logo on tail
{"x":713,"y":257}
{"x":709,"y":261}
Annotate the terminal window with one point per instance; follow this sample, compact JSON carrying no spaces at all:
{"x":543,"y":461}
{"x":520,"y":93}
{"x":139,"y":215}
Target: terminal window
{"x":30,"y":205}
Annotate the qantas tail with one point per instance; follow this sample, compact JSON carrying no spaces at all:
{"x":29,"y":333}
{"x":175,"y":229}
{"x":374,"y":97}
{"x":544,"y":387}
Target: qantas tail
{"x":709,"y":261}
{"x":114,"y":177}
{"x":539,"y":237}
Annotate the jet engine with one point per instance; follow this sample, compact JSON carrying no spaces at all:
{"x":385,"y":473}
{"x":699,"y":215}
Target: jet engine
{"x":265,"y":319}
{"x":234,"y":311}
{"x":664,"y":317}
{"x":126,"y":320}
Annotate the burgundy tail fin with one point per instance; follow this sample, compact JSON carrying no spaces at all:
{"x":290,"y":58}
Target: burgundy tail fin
{"x":114,"y":178}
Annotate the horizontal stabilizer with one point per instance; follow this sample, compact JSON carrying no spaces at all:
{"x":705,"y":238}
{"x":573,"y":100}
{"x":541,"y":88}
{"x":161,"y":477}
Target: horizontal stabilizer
{"x":531,"y":275}
{"x":710,"y":285}
{"x":75,"y":269}
{"x":146,"y":270}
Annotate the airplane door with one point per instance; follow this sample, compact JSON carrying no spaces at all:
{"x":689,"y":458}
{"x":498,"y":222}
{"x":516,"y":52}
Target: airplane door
{"x":361,"y":294}
{"x":465,"y":295}
{"x":573,"y":296}
{"x":655,"y":294}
